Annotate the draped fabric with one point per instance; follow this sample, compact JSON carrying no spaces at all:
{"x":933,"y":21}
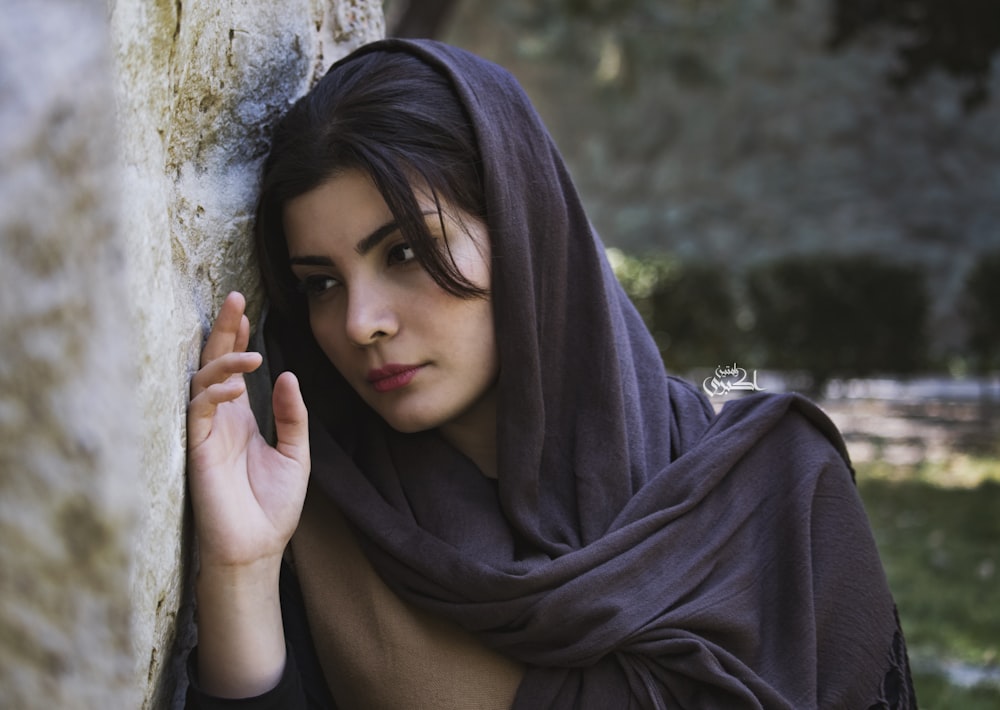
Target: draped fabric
{"x":636,"y":550}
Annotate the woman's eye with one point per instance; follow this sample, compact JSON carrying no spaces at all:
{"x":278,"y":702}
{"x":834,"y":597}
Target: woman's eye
{"x":401,"y":253}
{"x":317,"y":285}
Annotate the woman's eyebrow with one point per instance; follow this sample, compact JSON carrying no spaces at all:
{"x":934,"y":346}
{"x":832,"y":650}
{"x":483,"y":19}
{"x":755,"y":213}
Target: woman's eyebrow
{"x":376,"y":237}
{"x":309,"y":261}
{"x":362,"y":247}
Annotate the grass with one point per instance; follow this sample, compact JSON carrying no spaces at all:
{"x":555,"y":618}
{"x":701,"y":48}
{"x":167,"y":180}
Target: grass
{"x":938,"y":529}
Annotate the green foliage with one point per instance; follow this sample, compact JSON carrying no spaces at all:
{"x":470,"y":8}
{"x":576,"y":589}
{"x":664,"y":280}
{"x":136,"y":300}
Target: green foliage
{"x":938,"y":545}
{"x":823,"y":315}
{"x":934,"y":692}
{"x":981,"y":303}
{"x":839,"y":315}
{"x":688,"y":307}
{"x":960,"y":37}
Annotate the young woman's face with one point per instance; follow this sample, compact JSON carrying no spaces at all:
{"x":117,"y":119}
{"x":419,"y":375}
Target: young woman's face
{"x":419,"y":356}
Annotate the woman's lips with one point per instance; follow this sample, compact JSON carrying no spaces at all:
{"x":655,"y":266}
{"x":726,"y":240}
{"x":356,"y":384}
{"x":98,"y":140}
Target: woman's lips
{"x":391,"y":377}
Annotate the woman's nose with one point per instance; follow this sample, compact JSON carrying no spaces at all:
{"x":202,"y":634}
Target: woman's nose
{"x":371,"y":316}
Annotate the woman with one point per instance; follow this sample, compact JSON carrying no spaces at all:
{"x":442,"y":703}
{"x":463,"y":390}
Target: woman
{"x":510,"y":503}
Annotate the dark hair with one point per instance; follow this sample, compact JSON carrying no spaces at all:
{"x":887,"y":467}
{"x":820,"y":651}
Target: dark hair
{"x":396,"y":119}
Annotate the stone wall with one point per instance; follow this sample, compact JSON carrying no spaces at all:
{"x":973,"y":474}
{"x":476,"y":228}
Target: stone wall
{"x":68,"y":450}
{"x":131,"y":135}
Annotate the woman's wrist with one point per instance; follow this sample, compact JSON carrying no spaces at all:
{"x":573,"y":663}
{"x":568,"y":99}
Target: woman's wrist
{"x":240,"y":636}
{"x":258,"y":573}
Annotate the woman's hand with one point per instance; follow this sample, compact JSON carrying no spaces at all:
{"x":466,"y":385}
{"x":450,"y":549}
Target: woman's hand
{"x":247,"y":499}
{"x":247,"y":496}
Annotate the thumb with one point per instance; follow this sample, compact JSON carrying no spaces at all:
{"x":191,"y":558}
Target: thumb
{"x":291,"y":419}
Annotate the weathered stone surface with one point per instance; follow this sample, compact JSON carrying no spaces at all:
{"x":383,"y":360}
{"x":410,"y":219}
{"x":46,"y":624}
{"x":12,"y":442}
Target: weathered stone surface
{"x":199,"y":84}
{"x":67,"y":448}
{"x":131,"y":136}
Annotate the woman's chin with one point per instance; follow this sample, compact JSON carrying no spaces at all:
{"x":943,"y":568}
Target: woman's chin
{"x":406,"y":423}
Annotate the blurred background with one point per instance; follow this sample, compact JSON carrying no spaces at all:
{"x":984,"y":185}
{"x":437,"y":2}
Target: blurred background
{"x":808,"y":192}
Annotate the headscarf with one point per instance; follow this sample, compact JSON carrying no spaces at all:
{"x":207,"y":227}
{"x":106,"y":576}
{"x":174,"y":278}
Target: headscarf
{"x":636,"y":550}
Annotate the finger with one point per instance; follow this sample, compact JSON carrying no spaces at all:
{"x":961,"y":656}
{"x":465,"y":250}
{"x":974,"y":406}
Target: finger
{"x":222,"y":338}
{"x":291,"y":419}
{"x":201,"y":410}
{"x":242,"y":334}
{"x":222,"y":368}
